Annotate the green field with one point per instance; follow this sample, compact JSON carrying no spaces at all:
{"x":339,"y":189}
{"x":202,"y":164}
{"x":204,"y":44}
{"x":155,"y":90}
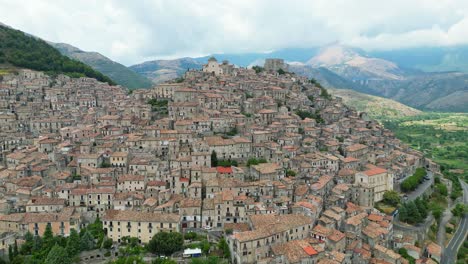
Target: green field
{"x":440,"y":136}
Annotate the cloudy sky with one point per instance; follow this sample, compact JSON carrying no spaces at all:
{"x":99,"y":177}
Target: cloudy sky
{"x":134,"y":31}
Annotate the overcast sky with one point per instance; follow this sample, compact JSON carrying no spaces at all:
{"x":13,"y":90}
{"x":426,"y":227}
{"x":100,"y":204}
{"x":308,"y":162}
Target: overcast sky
{"x":131,"y":32}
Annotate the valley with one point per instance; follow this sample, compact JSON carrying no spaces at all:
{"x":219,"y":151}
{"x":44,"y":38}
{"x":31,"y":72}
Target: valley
{"x":441,"y":136}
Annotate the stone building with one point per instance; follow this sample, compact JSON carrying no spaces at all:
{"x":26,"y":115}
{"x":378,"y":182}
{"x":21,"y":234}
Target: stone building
{"x":275,"y":65}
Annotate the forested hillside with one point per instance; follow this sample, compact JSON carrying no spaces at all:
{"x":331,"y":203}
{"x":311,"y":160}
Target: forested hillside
{"x":21,"y":50}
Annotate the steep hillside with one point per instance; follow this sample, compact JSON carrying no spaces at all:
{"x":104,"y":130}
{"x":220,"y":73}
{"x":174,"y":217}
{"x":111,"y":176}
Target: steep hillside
{"x":118,"y":72}
{"x":420,"y":91}
{"x":160,"y":71}
{"x":375,"y":106}
{"x":22,"y":50}
{"x":324,"y":76}
{"x":455,"y":102}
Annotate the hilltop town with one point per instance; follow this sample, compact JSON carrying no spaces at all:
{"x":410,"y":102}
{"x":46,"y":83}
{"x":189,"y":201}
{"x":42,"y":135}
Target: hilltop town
{"x":267,"y":159}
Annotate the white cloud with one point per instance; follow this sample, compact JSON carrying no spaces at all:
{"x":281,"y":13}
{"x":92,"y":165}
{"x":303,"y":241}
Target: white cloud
{"x":133,"y":31}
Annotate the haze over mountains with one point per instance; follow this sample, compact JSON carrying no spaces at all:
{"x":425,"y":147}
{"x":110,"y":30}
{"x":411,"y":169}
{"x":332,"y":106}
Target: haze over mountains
{"x":423,"y":81}
{"x":433,"y":78}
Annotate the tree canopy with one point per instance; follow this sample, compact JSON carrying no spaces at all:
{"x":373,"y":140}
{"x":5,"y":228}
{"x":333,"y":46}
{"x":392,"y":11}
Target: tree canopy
{"x":166,"y":243}
{"x":391,"y":198}
{"x":412,"y":182}
{"x":58,"y":255}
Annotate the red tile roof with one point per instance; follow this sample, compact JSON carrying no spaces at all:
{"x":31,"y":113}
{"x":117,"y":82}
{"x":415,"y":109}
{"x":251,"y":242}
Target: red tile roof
{"x":375,"y":171}
{"x":224,"y":170}
{"x":310,"y":250}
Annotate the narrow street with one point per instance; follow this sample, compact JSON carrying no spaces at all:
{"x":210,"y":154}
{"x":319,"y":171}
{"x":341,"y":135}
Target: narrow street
{"x":421,"y":188}
{"x":450,"y":253}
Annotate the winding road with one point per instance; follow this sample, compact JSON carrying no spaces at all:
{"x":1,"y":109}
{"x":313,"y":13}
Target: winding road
{"x":421,"y":187}
{"x":450,"y":253}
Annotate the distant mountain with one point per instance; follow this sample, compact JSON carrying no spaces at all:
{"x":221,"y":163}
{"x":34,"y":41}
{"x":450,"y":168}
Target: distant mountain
{"x":357,"y":70}
{"x":354,"y":64}
{"x":373,"y":105}
{"x":159,"y":71}
{"x":22,"y":50}
{"x":118,"y":72}
{"x":324,"y":76}
{"x":428,"y":59}
{"x":387,"y":74}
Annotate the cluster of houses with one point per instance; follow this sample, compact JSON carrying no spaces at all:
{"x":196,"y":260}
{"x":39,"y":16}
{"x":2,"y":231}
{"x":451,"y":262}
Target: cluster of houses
{"x":230,"y":152}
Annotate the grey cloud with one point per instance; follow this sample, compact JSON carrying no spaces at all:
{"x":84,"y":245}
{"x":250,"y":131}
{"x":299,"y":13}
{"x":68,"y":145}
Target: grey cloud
{"x":133,"y":31}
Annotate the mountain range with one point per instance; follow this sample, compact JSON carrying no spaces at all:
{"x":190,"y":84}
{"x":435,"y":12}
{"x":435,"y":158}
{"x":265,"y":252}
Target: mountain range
{"x":354,"y":69}
{"x":426,"y":78}
{"x":433,"y":79}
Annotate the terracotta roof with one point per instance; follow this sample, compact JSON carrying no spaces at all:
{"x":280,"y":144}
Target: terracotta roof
{"x":375,"y":171}
{"x":224,"y":170}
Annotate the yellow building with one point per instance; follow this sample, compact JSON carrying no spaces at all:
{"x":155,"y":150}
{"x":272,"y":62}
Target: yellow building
{"x":142,"y":225}
{"x":377,"y":178}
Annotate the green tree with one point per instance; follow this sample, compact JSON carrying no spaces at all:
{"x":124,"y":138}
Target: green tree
{"x":442,"y":189}
{"x":205,"y":246}
{"x":48,"y":240}
{"x":459,"y":210}
{"x":107,"y":243}
{"x":166,"y":243}
{"x":214,"y":159}
{"x":15,"y":248}
{"x":73,"y":243}
{"x":414,"y":216}
{"x":391,"y":198}
{"x":404,"y":253}
{"x":37,"y":243}
{"x":403,"y":213}
{"x":97,"y":230}
{"x":422,"y":207}
{"x":255,"y":161}
{"x":28,"y":244}
{"x":190,"y":235}
{"x":224,"y":247}
{"x":58,"y":255}
{"x":324,"y":93}
{"x":291,"y":173}
{"x":10,"y":253}
{"x":87,"y":242}
{"x":257,"y":69}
